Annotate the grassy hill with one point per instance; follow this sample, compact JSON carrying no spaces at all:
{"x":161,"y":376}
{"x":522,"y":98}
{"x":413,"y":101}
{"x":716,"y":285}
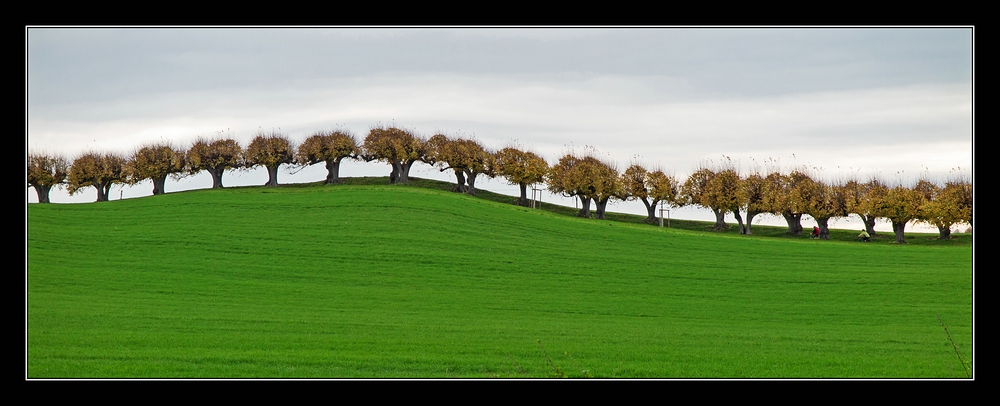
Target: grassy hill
{"x":372,"y":280}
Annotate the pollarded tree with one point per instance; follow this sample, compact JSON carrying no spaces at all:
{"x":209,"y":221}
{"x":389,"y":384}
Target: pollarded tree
{"x":864,"y":200}
{"x":717,"y":191}
{"x":649,"y":187}
{"x":944,"y":208}
{"x":569,"y":178}
{"x":751,"y":197}
{"x":270,"y":150}
{"x":436,"y":152}
{"x":587,"y":178}
{"x":154,"y":162}
{"x":696,"y":187}
{"x":400,"y":148}
{"x":461,"y":155}
{"x":963,"y":192}
{"x":607,"y":183}
{"x":901,"y":205}
{"x":214,"y":156}
{"x":521,"y":168}
{"x":98,"y":170}
{"x":44,"y":172}
{"x":330,"y":147}
{"x":725,"y":191}
{"x":783,"y":196}
{"x":824,"y":202}
{"x":797,"y":188}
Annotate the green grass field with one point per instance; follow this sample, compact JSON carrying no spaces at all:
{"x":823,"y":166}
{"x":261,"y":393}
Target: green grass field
{"x":371,"y":280}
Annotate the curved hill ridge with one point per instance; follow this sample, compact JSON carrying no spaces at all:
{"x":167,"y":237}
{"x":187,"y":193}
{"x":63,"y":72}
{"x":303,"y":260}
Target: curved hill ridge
{"x":390,"y":281}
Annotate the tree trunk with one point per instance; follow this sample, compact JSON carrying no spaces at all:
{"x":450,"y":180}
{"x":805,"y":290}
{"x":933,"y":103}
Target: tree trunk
{"x":650,"y":210}
{"x":739,"y":219}
{"x":824,"y":230}
{"x":945,"y":232}
{"x":601,"y":205}
{"x":42,"y":192}
{"x":272,"y":177}
{"x":158,"y":185}
{"x":470,"y":179}
{"x":459,"y":181}
{"x":750,"y":216}
{"x":584,"y":207}
{"x":720,"y":220}
{"x":404,"y":173}
{"x":794,"y":223}
{"x":102,"y":191}
{"x":217,"y":176}
{"x":332,"y":172}
{"x":869,"y":222}
{"x":523,"y":200}
{"x":397,"y":172}
{"x":897,"y":227}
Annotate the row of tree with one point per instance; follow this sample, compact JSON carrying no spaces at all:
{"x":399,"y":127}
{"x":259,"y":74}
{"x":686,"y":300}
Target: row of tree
{"x":584,"y":176}
{"x":795,"y":194}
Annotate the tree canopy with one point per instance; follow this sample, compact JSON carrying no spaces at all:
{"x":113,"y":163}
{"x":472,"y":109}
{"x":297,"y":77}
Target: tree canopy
{"x":154,"y":162}
{"x":398,"y":147}
{"x":586,"y":178}
{"x":270,"y":150}
{"x":467,"y":157}
{"x":946,"y":206}
{"x":45,"y":172}
{"x":214,"y":156}
{"x":651,"y":188}
{"x":522,"y":168}
{"x":98,"y":170}
{"x":752,"y":199}
{"x":715,"y":190}
{"x":900,"y":206}
{"x":329,"y":147}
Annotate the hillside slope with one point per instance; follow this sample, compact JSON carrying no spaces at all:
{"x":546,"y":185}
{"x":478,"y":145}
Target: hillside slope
{"x":389,"y":281}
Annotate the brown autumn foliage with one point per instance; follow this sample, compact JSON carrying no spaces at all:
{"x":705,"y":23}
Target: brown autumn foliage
{"x":797,"y":187}
{"x":649,"y":187}
{"x":397,"y":147}
{"x":45,"y":172}
{"x":270,"y":150}
{"x":946,"y":206}
{"x":587,"y":178}
{"x":715,"y":190}
{"x":900,"y":206}
{"x":522,"y":168}
{"x":607,"y":184}
{"x":154,"y":162}
{"x":963,"y":197}
{"x":436,"y":150}
{"x":468,"y":158}
{"x":864,"y":199}
{"x":98,"y":170}
{"x":214,"y":156}
{"x":751,"y":199}
{"x":823,"y":202}
{"x":330,"y":147}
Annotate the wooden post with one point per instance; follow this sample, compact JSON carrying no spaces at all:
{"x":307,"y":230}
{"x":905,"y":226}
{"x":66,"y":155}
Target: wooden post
{"x":534,"y":192}
{"x":661,"y":213}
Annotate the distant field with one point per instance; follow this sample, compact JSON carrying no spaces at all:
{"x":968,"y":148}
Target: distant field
{"x":395,"y":281}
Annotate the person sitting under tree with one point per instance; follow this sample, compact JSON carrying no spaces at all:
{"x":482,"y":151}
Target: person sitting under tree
{"x":864,"y":236}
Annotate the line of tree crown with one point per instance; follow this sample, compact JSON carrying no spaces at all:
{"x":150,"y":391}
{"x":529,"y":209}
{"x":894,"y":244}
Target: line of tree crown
{"x":585,"y":176}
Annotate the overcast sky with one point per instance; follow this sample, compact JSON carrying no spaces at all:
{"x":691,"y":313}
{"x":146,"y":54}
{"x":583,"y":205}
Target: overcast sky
{"x":848,"y":101}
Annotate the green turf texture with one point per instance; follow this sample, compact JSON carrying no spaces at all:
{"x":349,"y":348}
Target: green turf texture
{"x":367,"y":280}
